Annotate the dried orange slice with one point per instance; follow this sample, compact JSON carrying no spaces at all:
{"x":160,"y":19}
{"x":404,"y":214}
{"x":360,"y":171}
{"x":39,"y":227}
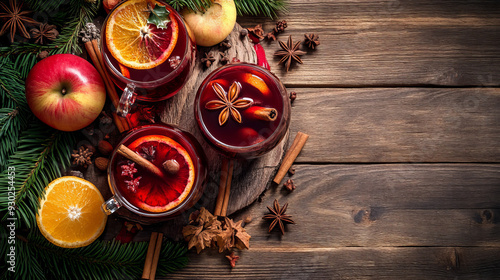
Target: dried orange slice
{"x":70,"y":215}
{"x":154,"y":194}
{"x":133,"y":41}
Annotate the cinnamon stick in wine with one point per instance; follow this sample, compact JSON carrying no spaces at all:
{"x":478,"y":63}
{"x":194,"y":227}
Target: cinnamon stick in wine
{"x":262,"y":113}
{"x":133,"y":156}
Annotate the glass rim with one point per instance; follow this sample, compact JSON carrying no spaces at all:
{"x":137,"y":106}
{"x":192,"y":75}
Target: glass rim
{"x":136,"y":210}
{"x":242,"y":149}
{"x":145,"y":84}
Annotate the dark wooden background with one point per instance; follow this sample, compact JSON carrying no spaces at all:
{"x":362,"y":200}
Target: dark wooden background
{"x":400,"y":178}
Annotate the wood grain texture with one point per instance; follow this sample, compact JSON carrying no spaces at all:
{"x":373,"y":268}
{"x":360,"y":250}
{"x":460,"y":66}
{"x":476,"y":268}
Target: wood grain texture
{"x":398,"y":124}
{"x":372,"y":221}
{"x":392,"y":43}
{"x":348,"y":263}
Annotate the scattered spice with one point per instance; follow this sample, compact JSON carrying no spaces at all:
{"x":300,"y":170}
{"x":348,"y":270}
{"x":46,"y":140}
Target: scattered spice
{"x":228,"y":103}
{"x":290,"y":51}
{"x":280,"y":26}
{"x":257,"y":31}
{"x":205,"y":230}
{"x":224,"y":59}
{"x":225,"y":44}
{"x":102,"y":163}
{"x":244,"y":32}
{"x":82,"y":157}
{"x":129,"y":169}
{"x":105,"y":147}
{"x":43,"y":54}
{"x":208,"y":59}
{"x":311,"y":40}
{"x":44,"y":31}
{"x":233,"y":258}
{"x":293,"y":96}
{"x":291,"y":171}
{"x":271,"y":36}
{"x":248,"y":219}
{"x":15,"y":19}
{"x":289,"y":185}
{"x":278,"y":216}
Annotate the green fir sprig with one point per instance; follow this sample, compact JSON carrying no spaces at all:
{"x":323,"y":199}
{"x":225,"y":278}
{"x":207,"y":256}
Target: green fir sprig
{"x":103,"y":260}
{"x":268,"y":8}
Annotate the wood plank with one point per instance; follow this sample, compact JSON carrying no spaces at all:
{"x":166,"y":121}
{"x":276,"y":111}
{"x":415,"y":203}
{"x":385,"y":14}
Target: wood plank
{"x":392,"y":43}
{"x":347,"y":263}
{"x":386,"y":205}
{"x":398,"y":124}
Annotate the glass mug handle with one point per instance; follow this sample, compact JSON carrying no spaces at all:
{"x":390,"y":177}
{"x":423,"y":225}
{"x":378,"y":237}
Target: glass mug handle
{"x":110,"y":206}
{"x":126,"y":100}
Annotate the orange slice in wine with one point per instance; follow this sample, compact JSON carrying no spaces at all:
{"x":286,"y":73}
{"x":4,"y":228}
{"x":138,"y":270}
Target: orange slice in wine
{"x":134,"y":42}
{"x":256,"y":82}
{"x":160,"y":195}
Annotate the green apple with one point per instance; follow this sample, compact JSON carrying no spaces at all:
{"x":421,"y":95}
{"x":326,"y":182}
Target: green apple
{"x":212,"y":26}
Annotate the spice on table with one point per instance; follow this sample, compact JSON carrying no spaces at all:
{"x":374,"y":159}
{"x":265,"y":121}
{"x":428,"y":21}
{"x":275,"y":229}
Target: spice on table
{"x":152,"y":256}
{"x":224,"y":59}
{"x":280,"y":26}
{"x":289,"y":185}
{"x":244,"y":32}
{"x":233,"y":258}
{"x":225,"y":44}
{"x":105,"y":147}
{"x":101,"y":163}
{"x":311,"y":40}
{"x":208,"y":59}
{"x":293,"y":96}
{"x":289,"y":52}
{"x":15,"y":19}
{"x":232,"y":235}
{"x":257,"y":31}
{"x":278,"y":216}
{"x":271,"y":36}
{"x":290,"y":156}
{"x":44,"y":31}
{"x":82,"y":157}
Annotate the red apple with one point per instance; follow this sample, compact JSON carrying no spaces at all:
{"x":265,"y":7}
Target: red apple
{"x":214,"y":25}
{"x":65,"y":91}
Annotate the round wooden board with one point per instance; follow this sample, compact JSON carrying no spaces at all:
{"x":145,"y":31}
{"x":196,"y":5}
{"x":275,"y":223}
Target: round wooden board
{"x":250,"y":177}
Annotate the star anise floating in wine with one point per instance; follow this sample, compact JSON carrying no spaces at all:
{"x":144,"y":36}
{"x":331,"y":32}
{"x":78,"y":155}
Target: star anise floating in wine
{"x":229,"y":102}
{"x":278,"y":216}
{"x":15,"y":19}
{"x":289,"y":51}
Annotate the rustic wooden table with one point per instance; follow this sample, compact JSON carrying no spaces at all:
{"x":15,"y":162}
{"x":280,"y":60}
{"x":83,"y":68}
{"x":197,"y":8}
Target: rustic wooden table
{"x":400,"y":176}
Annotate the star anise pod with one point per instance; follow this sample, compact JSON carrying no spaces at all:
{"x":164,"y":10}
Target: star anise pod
{"x":208,"y":59}
{"x":46,"y":31}
{"x":15,"y":19}
{"x":278,"y":216}
{"x":224,"y":59}
{"x":229,"y":102}
{"x":257,"y":31}
{"x":82,"y":157}
{"x":289,"y":51}
{"x":233,"y":258}
{"x":311,"y":41}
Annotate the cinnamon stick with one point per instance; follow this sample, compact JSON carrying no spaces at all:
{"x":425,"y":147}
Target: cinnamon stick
{"x":262,"y":113}
{"x":290,"y":156}
{"x":226,"y":175}
{"x":149,"y":256}
{"x":133,"y":156}
{"x":156,"y":256}
{"x":95,"y":56}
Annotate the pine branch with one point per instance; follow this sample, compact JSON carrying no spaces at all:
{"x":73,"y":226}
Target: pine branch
{"x":268,"y":8}
{"x":39,"y":259}
{"x":41,"y":154}
{"x":14,"y":114}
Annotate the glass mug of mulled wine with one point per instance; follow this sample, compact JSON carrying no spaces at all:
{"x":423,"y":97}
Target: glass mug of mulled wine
{"x":156,"y":171}
{"x":147,"y":51}
{"x":243,"y":110}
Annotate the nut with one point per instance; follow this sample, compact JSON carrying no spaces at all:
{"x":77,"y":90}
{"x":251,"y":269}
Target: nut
{"x":102,"y":163}
{"x":171,"y":166}
{"x":105,"y":147}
